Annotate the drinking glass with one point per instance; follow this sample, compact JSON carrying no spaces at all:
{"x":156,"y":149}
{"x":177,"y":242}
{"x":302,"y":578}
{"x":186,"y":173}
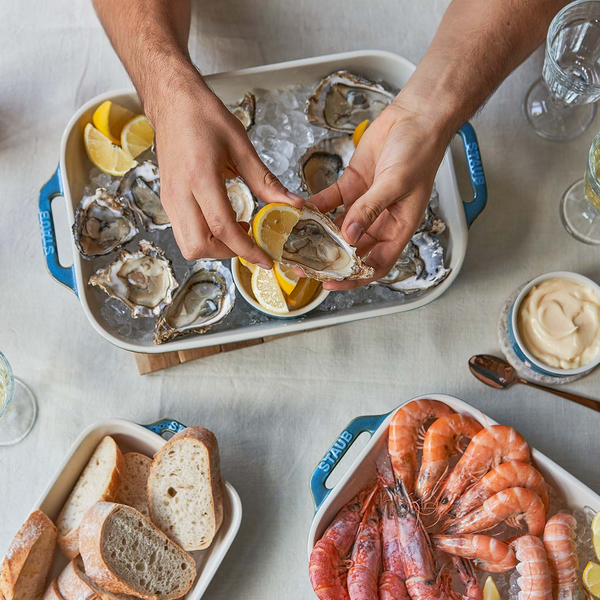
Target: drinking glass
{"x":559,"y":106}
{"x":580,"y":204}
{"x":18,"y":409}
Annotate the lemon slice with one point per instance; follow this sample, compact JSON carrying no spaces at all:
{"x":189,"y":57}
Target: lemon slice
{"x":596,"y":535}
{"x":110,"y":119}
{"x":137,"y":136}
{"x":359,"y":131}
{"x":104,"y":154}
{"x":303,"y":293}
{"x":591,"y":579}
{"x":490,"y":591}
{"x":267,"y":291}
{"x":286,"y":278}
{"x":272,"y":225}
{"x":250,"y":266}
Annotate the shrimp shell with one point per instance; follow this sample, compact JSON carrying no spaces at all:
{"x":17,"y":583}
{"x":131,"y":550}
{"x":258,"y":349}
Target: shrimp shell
{"x":534,"y":581}
{"x":391,"y":580}
{"x":391,"y":587}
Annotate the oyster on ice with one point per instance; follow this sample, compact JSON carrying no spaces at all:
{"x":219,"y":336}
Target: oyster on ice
{"x":241,"y":198}
{"x":205,"y":298}
{"x":323,"y":163}
{"x":141,"y":186}
{"x":344,"y":100}
{"x":245,"y":110}
{"x":103,"y":223}
{"x":144,"y":280}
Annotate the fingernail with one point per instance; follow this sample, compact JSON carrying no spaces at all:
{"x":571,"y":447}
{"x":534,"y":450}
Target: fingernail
{"x":294,"y":197}
{"x":265,"y":266}
{"x":353,"y":233}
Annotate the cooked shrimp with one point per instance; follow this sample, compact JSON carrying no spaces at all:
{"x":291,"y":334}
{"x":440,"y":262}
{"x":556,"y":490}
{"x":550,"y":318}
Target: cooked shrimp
{"x":489,"y":448}
{"x":486,"y":552}
{"x":406,"y":428}
{"x":514,"y":505}
{"x":464,"y":569}
{"x":442,"y":441}
{"x":327,"y":570}
{"x":534,"y":581}
{"x":502,"y":477}
{"x":391,"y":580}
{"x":560,"y":546}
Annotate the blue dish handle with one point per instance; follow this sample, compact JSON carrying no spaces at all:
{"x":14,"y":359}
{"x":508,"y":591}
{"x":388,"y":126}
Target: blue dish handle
{"x":368,"y":424}
{"x":51,"y":190}
{"x":163,"y":426}
{"x":471,"y":146}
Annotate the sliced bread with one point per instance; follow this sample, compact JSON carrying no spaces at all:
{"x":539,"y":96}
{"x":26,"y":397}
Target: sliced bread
{"x":52,"y":593}
{"x":135,"y":480}
{"x":99,"y":481}
{"x":126,"y":554}
{"x":184,"y":488}
{"x":28,"y":559}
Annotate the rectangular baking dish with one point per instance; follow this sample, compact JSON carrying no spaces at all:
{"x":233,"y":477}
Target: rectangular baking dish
{"x":71,"y":176}
{"x":328,"y":501}
{"x":147,"y":440}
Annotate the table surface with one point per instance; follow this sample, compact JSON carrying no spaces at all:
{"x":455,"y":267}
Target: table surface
{"x":277,"y":407}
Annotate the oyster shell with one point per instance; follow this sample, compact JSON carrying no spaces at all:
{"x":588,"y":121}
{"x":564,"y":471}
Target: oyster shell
{"x":316,"y":246}
{"x":103,"y":223}
{"x":431,"y":223}
{"x":241,"y":198}
{"x":205,"y":298}
{"x":245,"y":110}
{"x":144,"y":280}
{"x":343,"y":100}
{"x":141,"y":187}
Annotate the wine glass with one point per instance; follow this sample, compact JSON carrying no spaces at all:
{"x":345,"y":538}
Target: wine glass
{"x":18,"y":409}
{"x":580,"y":204}
{"x":559,"y":106}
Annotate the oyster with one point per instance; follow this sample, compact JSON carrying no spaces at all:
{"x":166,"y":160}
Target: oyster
{"x":241,"y":198}
{"x":103,"y":224}
{"x":204,"y":298}
{"x":141,"y":186}
{"x":420,"y":266}
{"x":144,"y":280}
{"x":245,"y":110}
{"x":344,"y":100}
{"x":431,"y":223}
{"x":323,"y":163}
{"x":316,"y":245}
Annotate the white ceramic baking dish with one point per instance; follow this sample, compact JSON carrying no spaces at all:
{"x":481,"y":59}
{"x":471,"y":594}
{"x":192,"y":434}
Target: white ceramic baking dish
{"x":328,"y":501}
{"x":147,"y":440}
{"x":73,"y":171}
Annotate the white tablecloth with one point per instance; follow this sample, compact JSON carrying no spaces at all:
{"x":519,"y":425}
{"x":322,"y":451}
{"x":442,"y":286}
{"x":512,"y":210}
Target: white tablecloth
{"x":276,"y":407}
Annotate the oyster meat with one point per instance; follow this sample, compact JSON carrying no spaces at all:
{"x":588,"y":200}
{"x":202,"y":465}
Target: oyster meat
{"x":141,"y":187}
{"x":323,"y":163}
{"x":344,"y":100}
{"x":144,"y":280}
{"x":431,"y":223}
{"x":316,"y":246}
{"x":241,"y":198}
{"x":103,"y":223}
{"x":245,"y":110}
{"x":205,"y":298}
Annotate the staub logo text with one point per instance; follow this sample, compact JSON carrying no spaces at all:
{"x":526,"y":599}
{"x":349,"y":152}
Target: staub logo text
{"x":335,"y":451}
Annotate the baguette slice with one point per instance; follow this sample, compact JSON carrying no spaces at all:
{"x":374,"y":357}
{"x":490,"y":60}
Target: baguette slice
{"x":99,"y":481}
{"x":28,"y":559}
{"x":125,"y":553}
{"x":135,"y":481}
{"x":52,"y":593}
{"x":184,"y":488}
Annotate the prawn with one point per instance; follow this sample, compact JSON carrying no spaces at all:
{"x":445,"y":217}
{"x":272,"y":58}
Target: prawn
{"x":391,"y":580}
{"x":327,"y":570}
{"x":406,"y":428}
{"x":465,"y":572}
{"x":442,"y":441}
{"x":560,"y":546}
{"x":504,"y":476}
{"x":512,"y":505}
{"x":488,"y":448}
{"x":534,"y":581}
{"x":486,"y":552}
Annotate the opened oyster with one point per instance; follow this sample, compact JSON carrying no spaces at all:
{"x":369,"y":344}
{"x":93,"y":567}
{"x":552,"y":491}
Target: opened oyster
{"x":344,"y":100}
{"x":141,"y":186}
{"x":323,"y":163}
{"x":245,"y":110}
{"x":103,"y":224}
{"x":431,"y":223}
{"x":241,"y":198}
{"x":144,"y":280}
{"x":204,"y":298}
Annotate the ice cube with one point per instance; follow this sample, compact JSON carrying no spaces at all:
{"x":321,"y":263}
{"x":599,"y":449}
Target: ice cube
{"x":302,"y":136}
{"x":276,"y":163}
{"x":288,"y":100}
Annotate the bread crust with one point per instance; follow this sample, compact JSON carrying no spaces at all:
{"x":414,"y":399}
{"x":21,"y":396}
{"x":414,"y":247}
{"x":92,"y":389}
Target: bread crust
{"x":52,"y":592}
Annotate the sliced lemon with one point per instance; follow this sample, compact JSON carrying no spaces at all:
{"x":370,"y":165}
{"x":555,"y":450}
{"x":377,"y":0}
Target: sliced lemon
{"x":490,"y":591}
{"x":359,"y":131}
{"x":591,"y":579}
{"x":110,"y":119}
{"x":304,"y":293}
{"x":137,"y":136}
{"x":104,"y":154}
{"x":596,"y":534}
{"x":286,"y":278}
{"x":267,"y":291}
{"x":250,"y":266}
{"x":272,"y":225}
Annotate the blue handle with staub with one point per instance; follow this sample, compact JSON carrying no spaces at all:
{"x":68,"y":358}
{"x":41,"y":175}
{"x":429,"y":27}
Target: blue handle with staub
{"x":163,"y":426}
{"x":476,"y":174}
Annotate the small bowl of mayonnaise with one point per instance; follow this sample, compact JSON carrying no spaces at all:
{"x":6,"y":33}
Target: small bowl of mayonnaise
{"x":554,"y":324}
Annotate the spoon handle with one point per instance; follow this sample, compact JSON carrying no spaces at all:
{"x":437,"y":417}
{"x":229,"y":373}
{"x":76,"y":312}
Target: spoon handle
{"x":594,"y":404}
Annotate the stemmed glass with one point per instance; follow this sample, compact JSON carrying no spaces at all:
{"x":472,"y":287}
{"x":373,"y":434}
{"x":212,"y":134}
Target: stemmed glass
{"x":18,"y":409}
{"x":560,"y":105}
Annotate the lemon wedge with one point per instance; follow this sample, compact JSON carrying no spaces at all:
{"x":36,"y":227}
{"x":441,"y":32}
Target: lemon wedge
{"x":591,"y":579}
{"x":359,"y":131}
{"x":104,"y":154}
{"x":286,"y":278}
{"x":303,"y":293}
{"x":137,"y":136}
{"x":109,"y":119}
{"x":250,"y":266}
{"x":267,"y":292}
{"x":596,"y":534}
{"x":272,"y":225}
{"x":490,"y":591}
